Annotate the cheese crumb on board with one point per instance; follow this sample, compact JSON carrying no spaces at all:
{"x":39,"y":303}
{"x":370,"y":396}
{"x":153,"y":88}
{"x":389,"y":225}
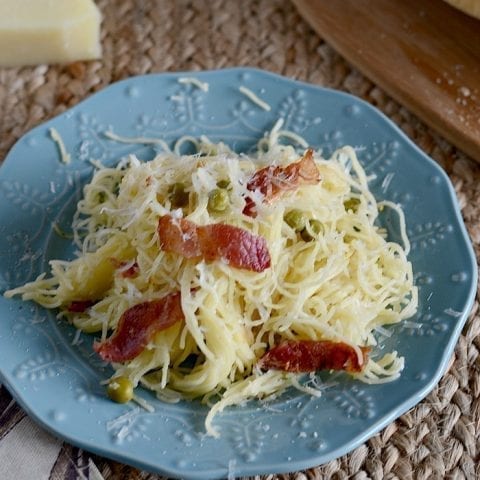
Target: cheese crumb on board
{"x":48,"y":31}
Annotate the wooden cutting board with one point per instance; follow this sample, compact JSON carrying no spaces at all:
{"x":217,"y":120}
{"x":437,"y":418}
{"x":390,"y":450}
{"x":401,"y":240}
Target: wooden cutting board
{"x":424,"y":53}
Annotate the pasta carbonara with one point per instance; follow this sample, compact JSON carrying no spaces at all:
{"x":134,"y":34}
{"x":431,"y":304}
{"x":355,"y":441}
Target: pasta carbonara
{"x":209,"y":320}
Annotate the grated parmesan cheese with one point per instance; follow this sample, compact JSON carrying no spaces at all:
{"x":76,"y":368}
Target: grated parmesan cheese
{"x":453,"y":313}
{"x":144,"y":404}
{"x":254,"y":98}
{"x":76,"y":339}
{"x":64,"y":155}
{"x":204,"y":86}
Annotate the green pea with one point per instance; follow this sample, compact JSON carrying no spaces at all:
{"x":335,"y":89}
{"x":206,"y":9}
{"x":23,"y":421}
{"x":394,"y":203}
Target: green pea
{"x":312,"y":230}
{"x":101,"y":196}
{"x":351,"y":204}
{"x":296,"y":219}
{"x":178,"y":196}
{"x":218,"y":200}
{"x":116,"y":188}
{"x":120,"y":389}
{"x":225,"y":183}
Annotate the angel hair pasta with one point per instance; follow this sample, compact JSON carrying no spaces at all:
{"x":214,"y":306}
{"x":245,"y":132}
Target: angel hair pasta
{"x":225,"y":277}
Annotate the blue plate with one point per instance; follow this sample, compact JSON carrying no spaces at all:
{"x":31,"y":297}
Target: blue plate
{"x":56,"y":379}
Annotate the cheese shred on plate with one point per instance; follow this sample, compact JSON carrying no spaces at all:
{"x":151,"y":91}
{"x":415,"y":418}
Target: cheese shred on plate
{"x":226,"y":277}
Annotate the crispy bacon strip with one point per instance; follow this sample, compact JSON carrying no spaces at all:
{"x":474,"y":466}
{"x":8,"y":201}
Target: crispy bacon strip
{"x":138,"y":325}
{"x":79,"y":306}
{"x":271,"y":181}
{"x":310,"y":356}
{"x":236,"y":246}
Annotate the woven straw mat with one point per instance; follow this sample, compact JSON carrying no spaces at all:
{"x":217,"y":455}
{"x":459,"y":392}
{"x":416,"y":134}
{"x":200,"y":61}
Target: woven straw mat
{"x":439,"y":438}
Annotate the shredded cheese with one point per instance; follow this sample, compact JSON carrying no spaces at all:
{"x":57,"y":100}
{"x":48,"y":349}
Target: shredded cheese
{"x":64,"y":155}
{"x":76,"y":339}
{"x":143,"y":403}
{"x":452,"y":312}
{"x":254,"y":98}
{"x":194,"y":81}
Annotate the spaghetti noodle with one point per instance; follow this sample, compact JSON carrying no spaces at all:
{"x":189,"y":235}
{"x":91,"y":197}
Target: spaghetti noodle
{"x":335,"y":278}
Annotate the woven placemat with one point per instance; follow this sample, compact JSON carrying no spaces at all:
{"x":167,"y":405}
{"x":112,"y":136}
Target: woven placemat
{"x":439,"y":438}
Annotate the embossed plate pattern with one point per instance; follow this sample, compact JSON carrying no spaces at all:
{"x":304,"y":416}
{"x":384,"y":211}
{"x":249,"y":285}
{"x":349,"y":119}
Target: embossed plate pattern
{"x":57,"y":382}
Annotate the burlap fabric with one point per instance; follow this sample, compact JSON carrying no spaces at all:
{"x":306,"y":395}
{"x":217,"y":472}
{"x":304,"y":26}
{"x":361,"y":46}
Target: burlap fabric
{"x":439,"y":438}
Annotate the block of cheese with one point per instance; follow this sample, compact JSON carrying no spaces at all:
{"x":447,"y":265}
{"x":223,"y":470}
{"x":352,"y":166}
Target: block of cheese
{"x":470,"y":7}
{"x":48,"y":31}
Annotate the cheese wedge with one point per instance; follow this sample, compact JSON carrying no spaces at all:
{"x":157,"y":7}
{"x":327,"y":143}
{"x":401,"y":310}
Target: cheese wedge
{"x":48,"y":31}
{"x":470,"y":7}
